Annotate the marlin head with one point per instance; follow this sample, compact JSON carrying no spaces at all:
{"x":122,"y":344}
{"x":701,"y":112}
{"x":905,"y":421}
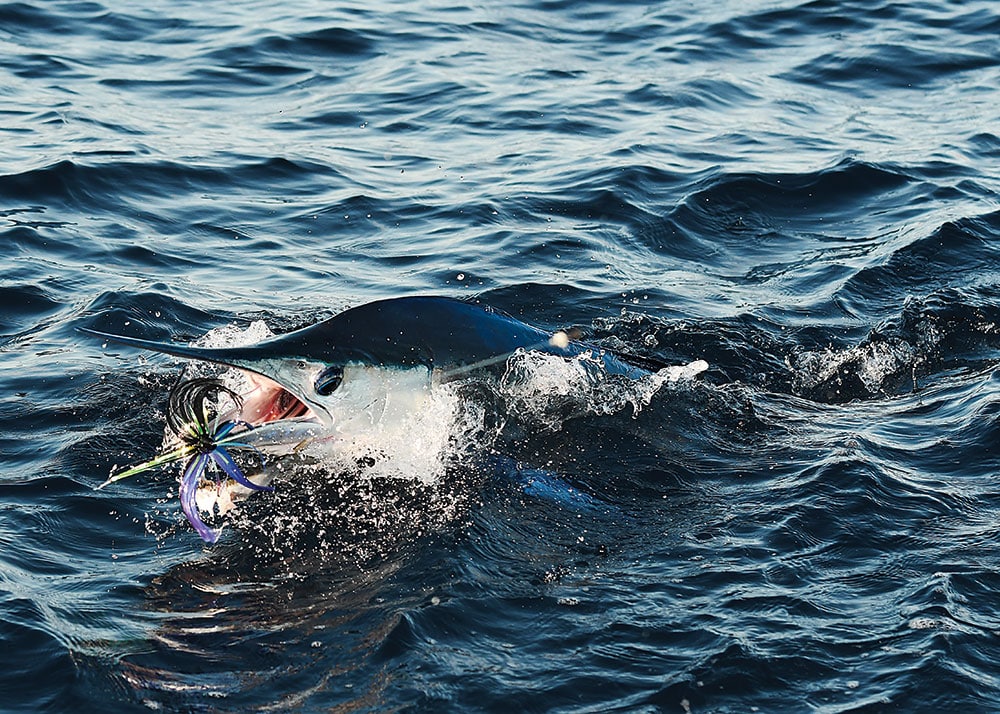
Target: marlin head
{"x":299,"y":376}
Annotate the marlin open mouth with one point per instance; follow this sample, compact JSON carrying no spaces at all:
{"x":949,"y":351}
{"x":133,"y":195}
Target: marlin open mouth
{"x":267,"y":401}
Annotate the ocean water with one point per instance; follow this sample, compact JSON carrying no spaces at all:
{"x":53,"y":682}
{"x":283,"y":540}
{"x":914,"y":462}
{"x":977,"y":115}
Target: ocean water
{"x":805,"y":194}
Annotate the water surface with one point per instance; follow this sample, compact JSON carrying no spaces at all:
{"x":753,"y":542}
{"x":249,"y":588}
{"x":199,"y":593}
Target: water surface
{"x":804,"y":194}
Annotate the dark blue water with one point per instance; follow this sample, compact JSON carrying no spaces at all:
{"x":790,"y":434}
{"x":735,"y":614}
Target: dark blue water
{"x":804,"y":194}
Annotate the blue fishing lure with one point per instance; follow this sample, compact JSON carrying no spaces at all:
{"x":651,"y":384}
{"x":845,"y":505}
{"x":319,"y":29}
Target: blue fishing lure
{"x":205,"y":439}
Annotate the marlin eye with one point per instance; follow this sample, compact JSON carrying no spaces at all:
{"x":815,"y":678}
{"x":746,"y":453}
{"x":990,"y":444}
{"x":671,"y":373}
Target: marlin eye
{"x":328,"y":380}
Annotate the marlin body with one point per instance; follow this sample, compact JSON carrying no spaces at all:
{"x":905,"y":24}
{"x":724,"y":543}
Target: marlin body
{"x":374,"y":360}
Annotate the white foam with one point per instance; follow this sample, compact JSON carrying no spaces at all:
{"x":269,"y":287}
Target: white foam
{"x":873,"y":364}
{"x":234,"y":336}
{"x":394,"y":436}
{"x":551,"y":388}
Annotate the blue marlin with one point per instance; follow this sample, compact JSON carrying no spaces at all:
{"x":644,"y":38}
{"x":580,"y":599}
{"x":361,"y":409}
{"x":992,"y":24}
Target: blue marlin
{"x":369,"y":364}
